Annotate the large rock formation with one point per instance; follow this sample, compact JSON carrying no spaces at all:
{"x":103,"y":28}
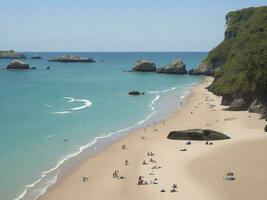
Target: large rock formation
{"x":197,"y":134}
{"x":69,"y":58}
{"x":239,"y":63}
{"x":176,"y":67}
{"x":17,"y":64}
{"x":11,"y":55}
{"x":144,"y":66}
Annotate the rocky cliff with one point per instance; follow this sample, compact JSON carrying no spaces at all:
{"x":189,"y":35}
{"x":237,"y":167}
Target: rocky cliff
{"x":239,"y":63}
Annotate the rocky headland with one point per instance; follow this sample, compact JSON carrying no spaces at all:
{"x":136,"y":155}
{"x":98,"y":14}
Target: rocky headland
{"x":11,"y":55}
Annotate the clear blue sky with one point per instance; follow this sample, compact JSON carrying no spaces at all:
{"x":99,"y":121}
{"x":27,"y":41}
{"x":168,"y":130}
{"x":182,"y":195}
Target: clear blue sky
{"x":115,"y":25}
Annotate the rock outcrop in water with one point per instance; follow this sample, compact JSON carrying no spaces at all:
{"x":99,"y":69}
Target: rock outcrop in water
{"x":36,"y":57}
{"x":144,"y":66}
{"x":11,"y":55}
{"x":176,"y":67}
{"x":135,"y":93}
{"x":17,"y":64}
{"x":70,"y":58}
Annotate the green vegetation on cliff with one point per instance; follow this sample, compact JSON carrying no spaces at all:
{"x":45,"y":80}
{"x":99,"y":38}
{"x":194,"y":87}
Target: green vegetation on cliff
{"x":242,"y":54}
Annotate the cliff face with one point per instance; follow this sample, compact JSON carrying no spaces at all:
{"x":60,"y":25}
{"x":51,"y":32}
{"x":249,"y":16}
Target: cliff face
{"x":239,"y":63}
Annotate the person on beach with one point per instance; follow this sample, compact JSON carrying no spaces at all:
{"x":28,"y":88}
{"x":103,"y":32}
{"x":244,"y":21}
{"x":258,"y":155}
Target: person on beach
{"x":144,"y":162}
{"x":85,"y":179}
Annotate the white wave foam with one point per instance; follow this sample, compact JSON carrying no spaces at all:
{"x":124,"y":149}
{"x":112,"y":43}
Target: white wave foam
{"x":86,"y":103}
{"x":61,"y":112}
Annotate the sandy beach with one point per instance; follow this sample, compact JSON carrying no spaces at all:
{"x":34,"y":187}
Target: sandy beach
{"x":198,"y":172}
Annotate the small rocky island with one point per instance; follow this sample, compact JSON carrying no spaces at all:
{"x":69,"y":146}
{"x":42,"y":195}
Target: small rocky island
{"x":36,"y":57}
{"x":11,"y":55}
{"x":70,"y":58}
{"x":17,"y":64}
{"x":144,"y":66}
{"x":176,"y":67}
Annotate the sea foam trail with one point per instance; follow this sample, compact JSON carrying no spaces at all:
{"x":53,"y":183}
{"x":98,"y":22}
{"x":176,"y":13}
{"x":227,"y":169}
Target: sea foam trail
{"x":86,"y":104}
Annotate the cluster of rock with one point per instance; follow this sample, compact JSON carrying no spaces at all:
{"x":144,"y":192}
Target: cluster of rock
{"x":176,"y":67}
{"x":11,"y":55}
{"x":70,"y":58}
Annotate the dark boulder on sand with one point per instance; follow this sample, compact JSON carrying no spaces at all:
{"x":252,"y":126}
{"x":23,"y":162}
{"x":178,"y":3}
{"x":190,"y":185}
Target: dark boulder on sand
{"x":69,"y":58}
{"x":197,"y":134}
{"x":17,"y":64}
{"x":265,"y":129}
{"x":176,"y":67}
{"x":144,"y":66}
{"x":135,"y":93}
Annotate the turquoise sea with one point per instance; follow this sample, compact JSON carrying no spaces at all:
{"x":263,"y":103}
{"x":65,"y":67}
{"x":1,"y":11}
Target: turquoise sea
{"x":50,"y":116}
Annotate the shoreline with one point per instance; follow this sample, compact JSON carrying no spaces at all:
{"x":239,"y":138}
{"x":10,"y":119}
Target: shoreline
{"x":112,"y":158}
{"x":67,"y":164}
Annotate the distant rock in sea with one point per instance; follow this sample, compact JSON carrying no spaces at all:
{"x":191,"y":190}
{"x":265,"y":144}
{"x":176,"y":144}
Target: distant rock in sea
{"x":144,"y":66}
{"x":135,"y":93}
{"x":11,"y":55}
{"x":17,"y":64}
{"x":36,"y":57}
{"x":176,"y":67}
{"x":69,"y":58}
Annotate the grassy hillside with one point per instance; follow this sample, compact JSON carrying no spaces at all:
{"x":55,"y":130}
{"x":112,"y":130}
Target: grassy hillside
{"x":239,"y":63}
{"x":243,"y":54}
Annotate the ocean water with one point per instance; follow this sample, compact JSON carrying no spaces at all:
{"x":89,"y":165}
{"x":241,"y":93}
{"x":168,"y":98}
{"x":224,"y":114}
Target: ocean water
{"x":49,"y":116}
